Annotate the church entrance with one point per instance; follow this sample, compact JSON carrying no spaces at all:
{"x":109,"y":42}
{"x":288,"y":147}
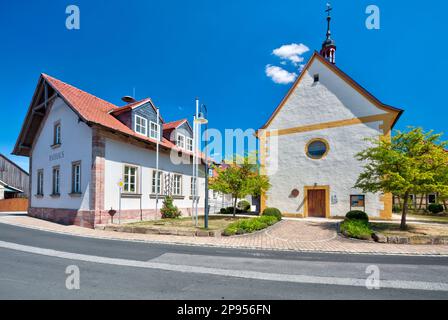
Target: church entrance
{"x":316,"y":203}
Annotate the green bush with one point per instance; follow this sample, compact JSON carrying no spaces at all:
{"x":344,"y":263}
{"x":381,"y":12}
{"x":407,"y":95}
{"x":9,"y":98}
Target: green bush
{"x":272,"y":212}
{"x":244,"y":206}
{"x":169,"y":210}
{"x":250,"y":225}
{"x":357,"y":215}
{"x":435,"y":208}
{"x":358,"y":229}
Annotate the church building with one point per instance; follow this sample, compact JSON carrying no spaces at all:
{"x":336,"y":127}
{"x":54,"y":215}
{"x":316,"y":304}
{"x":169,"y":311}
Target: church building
{"x":309,"y":143}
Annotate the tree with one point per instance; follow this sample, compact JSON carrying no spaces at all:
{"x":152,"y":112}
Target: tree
{"x":410,"y":163}
{"x":169,"y":210}
{"x":240,"y":178}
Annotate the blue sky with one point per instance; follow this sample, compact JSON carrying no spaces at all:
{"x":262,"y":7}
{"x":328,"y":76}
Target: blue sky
{"x":173,"y":51}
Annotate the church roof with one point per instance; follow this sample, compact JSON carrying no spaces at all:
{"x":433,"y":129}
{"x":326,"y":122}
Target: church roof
{"x":398,"y":112}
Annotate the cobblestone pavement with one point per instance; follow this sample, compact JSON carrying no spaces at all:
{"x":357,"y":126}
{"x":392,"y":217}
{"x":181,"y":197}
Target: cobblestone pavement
{"x":291,"y":235}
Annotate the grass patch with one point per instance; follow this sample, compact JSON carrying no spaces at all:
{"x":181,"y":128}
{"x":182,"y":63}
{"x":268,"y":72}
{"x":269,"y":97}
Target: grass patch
{"x":429,"y":218}
{"x":357,"y":229}
{"x":393,"y":229}
{"x":250,"y":225}
{"x":214,"y":223}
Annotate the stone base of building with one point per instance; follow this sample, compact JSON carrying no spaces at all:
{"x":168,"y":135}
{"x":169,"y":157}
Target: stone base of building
{"x":88,"y":219}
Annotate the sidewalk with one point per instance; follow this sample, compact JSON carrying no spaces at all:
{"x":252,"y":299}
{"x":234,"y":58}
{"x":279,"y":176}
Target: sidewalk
{"x":290,"y":235}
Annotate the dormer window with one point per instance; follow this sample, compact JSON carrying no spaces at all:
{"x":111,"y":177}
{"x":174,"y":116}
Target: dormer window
{"x":141,"y":125}
{"x":180,"y":141}
{"x":154,"y":131}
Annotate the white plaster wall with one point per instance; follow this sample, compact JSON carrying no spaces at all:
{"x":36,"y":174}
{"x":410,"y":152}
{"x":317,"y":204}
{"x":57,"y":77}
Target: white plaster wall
{"x":76,"y":146}
{"x":119,"y":153}
{"x":339,"y":169}
{"x":330,"y":99}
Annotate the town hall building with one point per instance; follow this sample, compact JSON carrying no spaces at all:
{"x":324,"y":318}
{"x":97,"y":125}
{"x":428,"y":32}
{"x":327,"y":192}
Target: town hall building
{"x":309,"y":143}
{"x":90,"y":158}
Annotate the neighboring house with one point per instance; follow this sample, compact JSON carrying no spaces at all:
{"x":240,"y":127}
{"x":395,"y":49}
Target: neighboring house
{"x":89,"y":157}
{"x":420,"y":201}
{"x":14,"y":181}
{"x":310,"y":142}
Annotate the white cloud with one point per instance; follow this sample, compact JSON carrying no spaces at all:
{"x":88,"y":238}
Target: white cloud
{"x":279,"y":75}
{"x":292,"y":52}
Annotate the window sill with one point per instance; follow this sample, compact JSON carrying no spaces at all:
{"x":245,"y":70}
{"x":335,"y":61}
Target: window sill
{"x":55,"y":195}
{"x":55,"y":146}
{"x":178,"y":197}
{"x":153,"y":196}
{"x":75,"y":194}
{"x":196,"y":198}
{"x":131,"y":195}
{"x":39,"y":196}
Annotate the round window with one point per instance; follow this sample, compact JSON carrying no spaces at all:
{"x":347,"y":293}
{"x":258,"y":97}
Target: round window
{"x":317,"y":149}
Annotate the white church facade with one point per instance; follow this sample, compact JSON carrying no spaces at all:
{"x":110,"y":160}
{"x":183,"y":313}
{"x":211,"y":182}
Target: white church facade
{"x":90,"y":158}
{"x":309,"y":144}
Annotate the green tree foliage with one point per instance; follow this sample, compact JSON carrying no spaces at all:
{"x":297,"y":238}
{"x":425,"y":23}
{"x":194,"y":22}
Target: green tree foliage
{"x":411,"y":162}
{"x":240,"y":178}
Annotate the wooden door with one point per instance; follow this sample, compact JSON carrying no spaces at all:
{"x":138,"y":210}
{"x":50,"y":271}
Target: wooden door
{"x":316,"y":203}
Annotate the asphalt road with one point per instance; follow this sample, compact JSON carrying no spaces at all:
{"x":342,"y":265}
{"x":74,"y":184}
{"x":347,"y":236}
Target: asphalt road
{"x":33,"y":265}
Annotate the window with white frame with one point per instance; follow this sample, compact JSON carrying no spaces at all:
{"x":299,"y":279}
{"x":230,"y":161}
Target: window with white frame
{"x":56,"y":181}
{"x":76,"y":177}
{"x":57,"y":134}
{"x":181,"y":141}
{"x":40,"y":182}
{"x":193,"y":186}
{"x":130,"y":179}
{"x":141,"y":125}
{"x":156,"y":183}
{"x":190,"y":144}
{"x":154,"y":130}
{"x":177,"y":185}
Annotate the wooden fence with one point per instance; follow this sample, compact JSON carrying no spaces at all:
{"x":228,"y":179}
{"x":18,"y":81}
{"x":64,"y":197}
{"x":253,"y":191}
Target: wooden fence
{"x":14,"y":205}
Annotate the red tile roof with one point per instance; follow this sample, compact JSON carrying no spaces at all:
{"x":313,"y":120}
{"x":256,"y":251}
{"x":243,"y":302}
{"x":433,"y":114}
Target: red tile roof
{"x":97,"y":111}
{"x":174,"y":124}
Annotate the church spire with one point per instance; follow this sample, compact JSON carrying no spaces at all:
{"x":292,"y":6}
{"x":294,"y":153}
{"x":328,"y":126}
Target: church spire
{"x":328,"y":50}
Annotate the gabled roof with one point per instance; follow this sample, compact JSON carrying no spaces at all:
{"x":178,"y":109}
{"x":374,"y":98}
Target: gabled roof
{"x":90,"y":109}
{"x":398,"y":112}
{"x":175,"y":124}
{"x":135,"y":105}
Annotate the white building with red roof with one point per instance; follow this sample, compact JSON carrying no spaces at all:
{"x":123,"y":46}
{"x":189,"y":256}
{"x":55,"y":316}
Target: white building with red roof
{"x":89,"y":157}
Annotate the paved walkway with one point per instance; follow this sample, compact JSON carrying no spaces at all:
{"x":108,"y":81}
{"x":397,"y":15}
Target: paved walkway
{"x":294,"y":235}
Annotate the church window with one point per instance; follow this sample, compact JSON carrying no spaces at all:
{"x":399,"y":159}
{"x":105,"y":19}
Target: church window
{"x":317,"y":149}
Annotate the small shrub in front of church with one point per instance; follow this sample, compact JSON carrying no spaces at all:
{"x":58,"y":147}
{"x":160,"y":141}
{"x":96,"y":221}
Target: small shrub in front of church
{"x":435,"y":208}
{"x":357,"y":229}
{"x":169,"y":210}
{"x":244,"y":206}
{"x":272,"y":212}
{"x":357,"y":215}
{"x":249,"y":225}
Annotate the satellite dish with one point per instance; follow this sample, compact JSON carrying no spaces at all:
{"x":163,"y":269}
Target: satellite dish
{"x":128,"y":99}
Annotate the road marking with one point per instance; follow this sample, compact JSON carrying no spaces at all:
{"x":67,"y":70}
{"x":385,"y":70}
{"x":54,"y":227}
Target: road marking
{"x":291,"y":278}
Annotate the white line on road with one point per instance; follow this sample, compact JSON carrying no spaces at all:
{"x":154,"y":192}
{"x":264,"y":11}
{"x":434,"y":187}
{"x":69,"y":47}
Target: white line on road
{"x":292,"y":278}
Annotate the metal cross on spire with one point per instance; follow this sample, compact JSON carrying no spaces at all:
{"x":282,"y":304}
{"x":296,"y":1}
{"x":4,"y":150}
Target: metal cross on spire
{"x":329,"y":8}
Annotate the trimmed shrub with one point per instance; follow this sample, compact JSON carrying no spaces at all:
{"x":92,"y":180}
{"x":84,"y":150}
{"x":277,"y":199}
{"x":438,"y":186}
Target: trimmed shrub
{"x":435,"y":208}
{"x":249,"y":225}
{"x":169,"y":210}
{"x":357,"y":229}
{"x":357,"y":215}
{"x":244,"y":206}
{"x":272,"y":212}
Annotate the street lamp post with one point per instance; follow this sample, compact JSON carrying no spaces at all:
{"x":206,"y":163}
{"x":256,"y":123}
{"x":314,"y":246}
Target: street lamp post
{"x":202,"y":119}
